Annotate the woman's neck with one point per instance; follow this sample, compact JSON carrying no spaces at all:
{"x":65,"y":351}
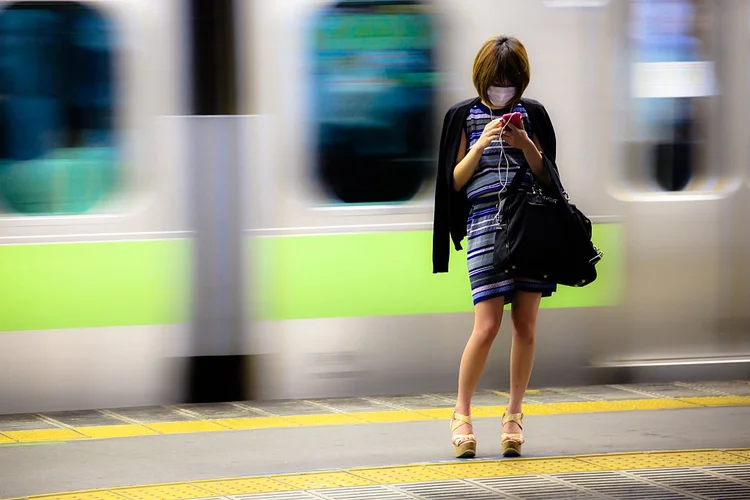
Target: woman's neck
{"x":495,"y":108}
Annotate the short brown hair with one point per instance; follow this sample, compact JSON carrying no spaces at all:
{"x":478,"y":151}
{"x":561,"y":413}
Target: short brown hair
{"x":502,"y":61}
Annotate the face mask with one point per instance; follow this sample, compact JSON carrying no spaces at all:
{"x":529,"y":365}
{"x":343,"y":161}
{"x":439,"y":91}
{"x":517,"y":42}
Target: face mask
{"x":500,"y":96}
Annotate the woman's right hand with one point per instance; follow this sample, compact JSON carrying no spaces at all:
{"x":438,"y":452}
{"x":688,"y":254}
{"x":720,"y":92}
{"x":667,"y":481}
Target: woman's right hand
{"x":490,"y":133}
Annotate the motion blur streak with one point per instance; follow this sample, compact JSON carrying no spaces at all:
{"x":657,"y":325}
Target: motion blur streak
{"x":217,"y":200}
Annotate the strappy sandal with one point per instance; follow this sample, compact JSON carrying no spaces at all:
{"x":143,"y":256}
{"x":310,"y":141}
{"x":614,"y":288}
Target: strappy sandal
{"x":465,"y":444}
{"x":511,"y":442}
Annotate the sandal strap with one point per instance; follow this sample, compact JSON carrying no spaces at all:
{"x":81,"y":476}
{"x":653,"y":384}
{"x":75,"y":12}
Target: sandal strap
{"x":513,"y":417}
{"x":518,"y":438}
{"x":459,"y":439}
{"x":457,"y":420}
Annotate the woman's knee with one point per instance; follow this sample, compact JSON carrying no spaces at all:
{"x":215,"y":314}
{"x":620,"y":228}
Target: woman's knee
{"x":524,"y":331}
{"x":524,"y":317}
{"x":485,"y":332}
{"x":524,"y":325}
{"x":487,"y":321}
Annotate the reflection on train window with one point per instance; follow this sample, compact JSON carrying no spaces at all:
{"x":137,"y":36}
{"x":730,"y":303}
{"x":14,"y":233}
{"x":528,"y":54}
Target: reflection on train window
{"x":672,"y":79}
{"x":373,"y":99}
{"x":57,"y":145}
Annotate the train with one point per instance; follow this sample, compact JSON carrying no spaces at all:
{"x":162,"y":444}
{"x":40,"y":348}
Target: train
{"x":226,"y":200}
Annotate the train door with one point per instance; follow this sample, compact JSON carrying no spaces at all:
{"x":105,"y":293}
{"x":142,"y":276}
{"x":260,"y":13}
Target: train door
{"x":679,"y":72}
{"x":345,"y":131}
{"x":734,"y":316}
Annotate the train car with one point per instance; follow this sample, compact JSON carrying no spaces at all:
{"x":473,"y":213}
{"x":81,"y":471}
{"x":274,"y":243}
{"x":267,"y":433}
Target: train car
{"x":94,"y":233}
{"x":286,"y":231}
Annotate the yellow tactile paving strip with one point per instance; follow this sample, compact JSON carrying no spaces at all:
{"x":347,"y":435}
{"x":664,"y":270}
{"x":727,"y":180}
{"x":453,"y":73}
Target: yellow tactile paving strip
{"x":69,"y":433}
{"x":413,"y":474}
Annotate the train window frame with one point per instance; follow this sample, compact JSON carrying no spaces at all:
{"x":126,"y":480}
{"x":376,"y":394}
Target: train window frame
{"x":321,"y":198}
{"x":712,"y":177}
{"x":127,"y":109}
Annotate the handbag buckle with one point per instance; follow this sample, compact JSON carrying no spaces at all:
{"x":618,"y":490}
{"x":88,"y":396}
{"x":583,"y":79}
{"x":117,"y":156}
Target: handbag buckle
{"x":596,"y":258}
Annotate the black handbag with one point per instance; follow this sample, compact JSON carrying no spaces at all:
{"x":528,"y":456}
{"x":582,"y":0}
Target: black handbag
{"x":543,"y":236}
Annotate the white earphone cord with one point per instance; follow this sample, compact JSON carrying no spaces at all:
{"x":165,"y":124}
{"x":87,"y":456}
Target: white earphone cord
{"x":504,"y":181}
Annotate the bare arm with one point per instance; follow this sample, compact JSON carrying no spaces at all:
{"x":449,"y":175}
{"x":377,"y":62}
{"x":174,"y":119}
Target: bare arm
{"x":531,"y":149}
{"x":533,"y":153}
{"x":466,"y":162}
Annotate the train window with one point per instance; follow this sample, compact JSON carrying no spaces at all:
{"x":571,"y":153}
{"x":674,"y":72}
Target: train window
{"x":373,"y":99}
{"x":57,"y":145}
{"x":672,"y":80}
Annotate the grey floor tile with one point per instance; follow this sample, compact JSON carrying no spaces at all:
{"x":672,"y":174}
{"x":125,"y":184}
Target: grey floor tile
{"x":423,"y":401}
{"x":153,"y":414}
{"x":287,"y":408}
{"x":84,"y":418}
{"x":219,"y":410}
{"x":24,"y":423}
{"x":352,"y":404}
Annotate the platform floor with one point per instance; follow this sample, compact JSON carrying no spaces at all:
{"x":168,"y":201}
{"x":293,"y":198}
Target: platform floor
{"x":589,"y":442}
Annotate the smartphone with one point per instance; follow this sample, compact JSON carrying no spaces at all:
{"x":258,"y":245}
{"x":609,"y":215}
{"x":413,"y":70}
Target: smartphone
{"x":513,"y":118}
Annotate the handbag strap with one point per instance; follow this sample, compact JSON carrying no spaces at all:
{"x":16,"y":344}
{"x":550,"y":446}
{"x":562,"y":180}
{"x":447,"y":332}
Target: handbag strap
{"x":515,"y":184}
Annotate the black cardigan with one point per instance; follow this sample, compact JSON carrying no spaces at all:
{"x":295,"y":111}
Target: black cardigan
{"x":451,"y":206}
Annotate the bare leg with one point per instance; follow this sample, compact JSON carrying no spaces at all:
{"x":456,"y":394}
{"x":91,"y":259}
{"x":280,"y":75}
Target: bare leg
{"x":524,"y":314}
{"x":488,"y":316}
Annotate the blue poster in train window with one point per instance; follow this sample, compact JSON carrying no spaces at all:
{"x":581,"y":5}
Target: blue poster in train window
{"x":663,"y":33}
{"x":57,"y":151}
{"x":373,"y":99}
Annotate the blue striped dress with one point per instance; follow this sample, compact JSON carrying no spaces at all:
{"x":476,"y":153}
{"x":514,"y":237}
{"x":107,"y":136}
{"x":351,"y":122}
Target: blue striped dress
{"x":483,"y":191}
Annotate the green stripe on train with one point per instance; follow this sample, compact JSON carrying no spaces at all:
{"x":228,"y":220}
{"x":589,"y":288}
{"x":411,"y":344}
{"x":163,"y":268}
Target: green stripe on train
{"x":80,"y":285}
{"x":381,"y":274}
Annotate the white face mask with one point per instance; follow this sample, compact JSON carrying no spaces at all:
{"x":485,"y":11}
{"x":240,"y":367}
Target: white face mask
{"x":500,"y":96}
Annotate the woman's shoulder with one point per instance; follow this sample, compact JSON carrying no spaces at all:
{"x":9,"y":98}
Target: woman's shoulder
{"x":532,"y":105}
{"x":542,"y":124}
{"x":537,"y":112}
{"x":455,"y":116}
{"x":462,"y":105}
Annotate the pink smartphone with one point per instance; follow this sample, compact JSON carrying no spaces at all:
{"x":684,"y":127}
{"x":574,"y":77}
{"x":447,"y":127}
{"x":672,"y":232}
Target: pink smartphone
{"x":514,"y":118}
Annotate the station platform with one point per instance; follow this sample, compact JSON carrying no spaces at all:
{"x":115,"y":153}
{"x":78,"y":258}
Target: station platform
{"x":661,"y":441}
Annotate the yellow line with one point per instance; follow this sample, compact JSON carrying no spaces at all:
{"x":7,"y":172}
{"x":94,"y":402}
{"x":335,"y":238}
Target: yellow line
{"x":371,"y":476}
{"x":357,"y":418}
{"x":5,"y":439}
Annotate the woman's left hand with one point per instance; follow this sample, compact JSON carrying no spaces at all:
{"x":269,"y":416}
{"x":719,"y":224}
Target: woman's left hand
{"x":516,"y":137}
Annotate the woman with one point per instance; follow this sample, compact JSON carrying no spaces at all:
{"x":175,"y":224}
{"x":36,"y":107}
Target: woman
{"x":480,"y":156}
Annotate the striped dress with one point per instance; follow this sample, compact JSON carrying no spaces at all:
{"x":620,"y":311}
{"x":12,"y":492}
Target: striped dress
{"x":483,"y":191}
